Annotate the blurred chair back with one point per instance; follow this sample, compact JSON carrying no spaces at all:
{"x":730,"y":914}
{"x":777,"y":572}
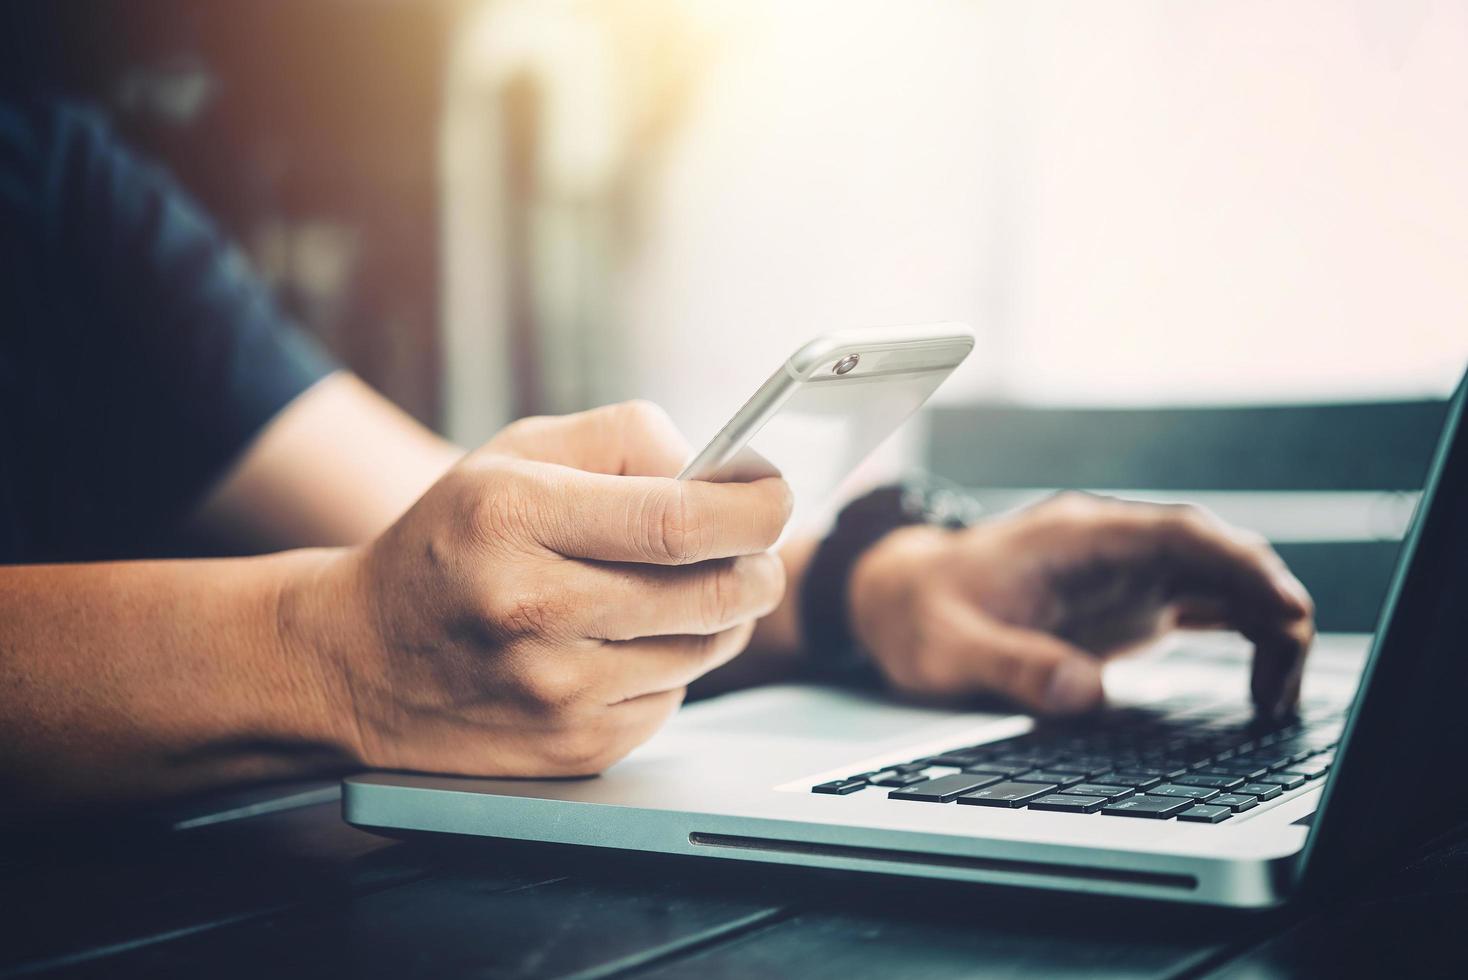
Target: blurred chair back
{"x":1332,"y":486}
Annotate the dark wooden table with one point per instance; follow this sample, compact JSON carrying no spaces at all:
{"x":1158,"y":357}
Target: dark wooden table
{"x":253,"y":885}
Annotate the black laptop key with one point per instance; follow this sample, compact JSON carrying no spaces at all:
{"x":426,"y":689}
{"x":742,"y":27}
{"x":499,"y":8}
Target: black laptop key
{"x":1136,"y":781}
{"x":1168,"y":772}
{"x":1201,"y":794}
{"x":1264,"y":791}
{"x":955,"y":759}
{"x":1013,"y":795}
{"x":839,"y":787}
{"x":1067,"y":803}
{"x":1023,"y":760}
{"x":1087,"y":761}
{"x":1235,"y":802}
{"x":1205,"y":813}
{"x":1288,"y":780}
{"x":944,"y":789}
{"x":1156,"y":807}
{"x":1269,"y":764}
{"x":1212,"y":781}
{"x":1287,"y":762}
{"x":983,"y":749}
{"x":1244,"y":770}
{"x":997,"y":770}
{"x":1048,"y":776}
{"x":1310,"y":769}
{"x":1104,"y":790}
{"x":897,"y":778}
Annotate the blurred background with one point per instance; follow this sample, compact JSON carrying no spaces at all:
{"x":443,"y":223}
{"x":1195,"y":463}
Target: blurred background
{"x":1212,"y":250}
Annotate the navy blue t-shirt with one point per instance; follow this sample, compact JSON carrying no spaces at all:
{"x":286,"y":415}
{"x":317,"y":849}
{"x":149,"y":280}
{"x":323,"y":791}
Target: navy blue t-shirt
{"x":138,"y":354}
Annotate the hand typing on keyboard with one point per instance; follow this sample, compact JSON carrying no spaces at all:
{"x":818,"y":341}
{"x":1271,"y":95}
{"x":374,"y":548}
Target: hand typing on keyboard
{"x":1028,"y":605}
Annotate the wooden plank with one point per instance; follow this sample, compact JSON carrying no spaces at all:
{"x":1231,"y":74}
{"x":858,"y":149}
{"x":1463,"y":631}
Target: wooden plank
{"x":881,"y":929}
{"x":615,"y":916}
{"x":88,"y":888}
{"x":1412,"y":936}
{"x":1408,"y":923}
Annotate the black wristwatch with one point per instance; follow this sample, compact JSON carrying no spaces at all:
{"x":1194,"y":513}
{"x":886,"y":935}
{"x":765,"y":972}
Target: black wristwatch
{"x":825,"y":605}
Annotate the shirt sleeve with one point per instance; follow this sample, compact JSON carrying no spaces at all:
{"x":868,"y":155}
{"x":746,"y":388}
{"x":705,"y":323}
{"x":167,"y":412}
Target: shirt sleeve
{"x":152,"y":353}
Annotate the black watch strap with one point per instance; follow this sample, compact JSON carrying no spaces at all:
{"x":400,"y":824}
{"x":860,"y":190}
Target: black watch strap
{"x":825,"y":608}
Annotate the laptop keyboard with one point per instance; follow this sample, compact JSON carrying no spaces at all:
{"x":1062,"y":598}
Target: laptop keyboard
{"x":1193,"y":761}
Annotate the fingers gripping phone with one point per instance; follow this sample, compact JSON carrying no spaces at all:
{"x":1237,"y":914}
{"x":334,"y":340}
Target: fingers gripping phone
{"x":829,"y":406}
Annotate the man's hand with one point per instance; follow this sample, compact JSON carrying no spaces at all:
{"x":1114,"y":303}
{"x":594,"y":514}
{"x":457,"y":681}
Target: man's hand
{"x":541,"y":609}
{"x":1028,"y":605}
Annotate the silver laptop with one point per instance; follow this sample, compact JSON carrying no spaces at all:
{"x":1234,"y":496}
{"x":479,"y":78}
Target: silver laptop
{"x":1176,"y":792}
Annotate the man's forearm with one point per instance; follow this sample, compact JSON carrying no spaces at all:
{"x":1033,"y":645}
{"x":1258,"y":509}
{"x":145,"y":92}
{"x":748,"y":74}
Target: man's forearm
{"x":336,"y":467}
{"x":142,"y":679}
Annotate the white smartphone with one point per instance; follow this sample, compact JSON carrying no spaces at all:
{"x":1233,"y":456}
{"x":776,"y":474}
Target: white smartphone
{"x":829,"y":406}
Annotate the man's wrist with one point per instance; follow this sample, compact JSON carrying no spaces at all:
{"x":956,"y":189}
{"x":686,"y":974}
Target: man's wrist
{"x":321,"y":628}
{"x":826,"y":602}
{"x":885,"y":575}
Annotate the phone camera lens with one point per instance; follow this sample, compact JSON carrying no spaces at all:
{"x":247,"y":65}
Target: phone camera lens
{"x":846,"y":363}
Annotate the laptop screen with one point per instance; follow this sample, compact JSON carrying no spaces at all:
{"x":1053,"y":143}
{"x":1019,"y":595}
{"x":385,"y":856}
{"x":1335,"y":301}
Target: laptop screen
{"x":1397,"y":782}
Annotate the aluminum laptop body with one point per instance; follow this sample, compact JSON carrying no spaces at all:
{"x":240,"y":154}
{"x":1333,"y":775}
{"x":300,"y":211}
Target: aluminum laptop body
{"x":736,"y":777}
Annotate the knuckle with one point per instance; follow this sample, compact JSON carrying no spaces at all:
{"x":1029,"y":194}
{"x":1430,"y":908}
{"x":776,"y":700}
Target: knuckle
{"x":668,"y":532}
{"x":929,"y":605}
{"x":1028,"y":680}
{"x":520,"y":613}
{"x":490,"y":517}
{"x":495,"y":505}
{"x":763,"y":580}
{"x":527,"y":428}
{"x":720,"y":597}
{"x":642,"y":415}
{"x":647,"y":435}
{"x":1189,"y":519}
{"x":1072,"y":505}
{"x":551,"y":687}
{"x":520,"y":436}
{"x":526,"y":616}
{"x":1007,"y":674}
{"x":1254,"y":541}
{"x":920,"y":672}
{"x":662,"y":706}
{"x":704,"y":647}
{"x":579,"y":751}
{"x":728,"y":644}
{"x":737,"y":590}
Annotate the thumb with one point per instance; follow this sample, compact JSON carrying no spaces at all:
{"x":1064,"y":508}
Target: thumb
{"x":1036,"y":669}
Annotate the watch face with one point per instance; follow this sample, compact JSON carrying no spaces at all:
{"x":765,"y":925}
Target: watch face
{"x":949,"y":507}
